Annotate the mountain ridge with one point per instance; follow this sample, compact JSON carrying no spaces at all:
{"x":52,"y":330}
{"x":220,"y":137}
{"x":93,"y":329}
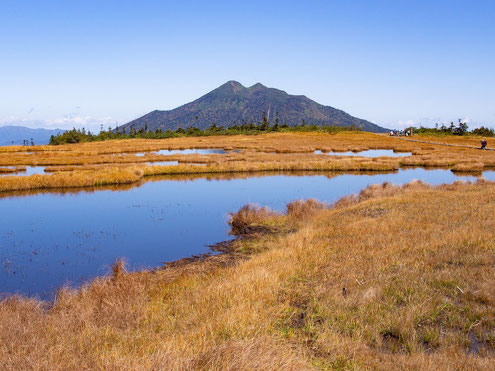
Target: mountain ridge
{"x":13,"y":134}
{"x":232,"y":103}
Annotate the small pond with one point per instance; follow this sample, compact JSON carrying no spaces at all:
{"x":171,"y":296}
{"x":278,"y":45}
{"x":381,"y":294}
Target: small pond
{"x":30,"y":170}
{"x":163,"y":163}
{"x":194,"y":151}
{"x":48,"y":239}
{"x":190,"y":151}
{"x":169,"y":163}
{"x":367,"y":153}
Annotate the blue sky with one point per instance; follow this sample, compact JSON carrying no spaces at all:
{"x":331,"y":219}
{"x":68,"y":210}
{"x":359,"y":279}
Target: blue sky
{"x":81,"y":63}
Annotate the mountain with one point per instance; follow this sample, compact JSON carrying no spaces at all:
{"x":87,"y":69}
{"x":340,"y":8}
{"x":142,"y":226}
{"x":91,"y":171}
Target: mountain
{"x":233,"y":103}
{"x":17,"y":134}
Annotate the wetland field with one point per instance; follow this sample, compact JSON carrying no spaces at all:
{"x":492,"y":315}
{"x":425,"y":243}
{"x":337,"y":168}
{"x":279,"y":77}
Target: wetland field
{"x":276,"y":251}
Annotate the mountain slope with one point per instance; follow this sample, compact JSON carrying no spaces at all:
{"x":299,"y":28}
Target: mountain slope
{"x":17,"y":134}
{"x":233,"y":103}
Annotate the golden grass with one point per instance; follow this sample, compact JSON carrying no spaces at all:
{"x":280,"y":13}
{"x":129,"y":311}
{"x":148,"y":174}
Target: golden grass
{"x":89,"y":163}
{"x":100,"y":176}
{"x":392,"y":278}
{"x":72,"y":179}
{"x":251,"y":219}
{"x":12,"y":170}
{"x":468,"y":167}
{"x":468,"y":140}
{"x":252,"y":167}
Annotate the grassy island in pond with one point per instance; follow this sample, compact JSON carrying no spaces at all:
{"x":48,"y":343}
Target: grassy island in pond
{"x":131,"y":160}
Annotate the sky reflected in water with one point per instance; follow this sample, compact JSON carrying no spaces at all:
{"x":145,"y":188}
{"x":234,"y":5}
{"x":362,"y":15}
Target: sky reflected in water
{"x":49,"y":239}
{"x":367,"y":153}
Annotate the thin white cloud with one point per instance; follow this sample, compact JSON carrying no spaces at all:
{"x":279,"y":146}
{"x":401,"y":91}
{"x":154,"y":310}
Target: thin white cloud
{"x":66,"y":122}
{"x":405,"y":124}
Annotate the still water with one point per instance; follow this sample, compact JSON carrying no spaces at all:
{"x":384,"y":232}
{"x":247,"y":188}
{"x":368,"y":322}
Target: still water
{"x":194,"y":151}
{"x":30,"y":170}
{"x":49,"y":239}
{"x":367,"y":153}
{"x":190,"y":151}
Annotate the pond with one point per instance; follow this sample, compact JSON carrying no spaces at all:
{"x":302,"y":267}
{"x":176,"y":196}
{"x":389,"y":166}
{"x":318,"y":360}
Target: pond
{"x":48,"y":239}
{"x":367,"y":153}
{"x":163,"y":163}
{"x":190,"y":151}
{"x":30,"y":170}
{"x":195,"y":151}
{"x":170,"y":163}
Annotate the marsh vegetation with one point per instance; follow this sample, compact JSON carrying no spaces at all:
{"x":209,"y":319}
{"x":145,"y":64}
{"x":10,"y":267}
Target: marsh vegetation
{"x":392,"y":277}
{"x":50,"y":239}
{"x":381,"y":276}
{"x":116,"y":162}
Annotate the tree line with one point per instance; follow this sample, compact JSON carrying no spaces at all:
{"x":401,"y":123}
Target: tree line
{"x":460,"y":129}
{"x":81,"y":135}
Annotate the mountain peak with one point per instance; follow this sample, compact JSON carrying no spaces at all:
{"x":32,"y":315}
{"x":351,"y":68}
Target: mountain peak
{"x":257,"y":86}
{"x":230,"y":87}
{"x":232,"y":103}
{"x":234,"y":84}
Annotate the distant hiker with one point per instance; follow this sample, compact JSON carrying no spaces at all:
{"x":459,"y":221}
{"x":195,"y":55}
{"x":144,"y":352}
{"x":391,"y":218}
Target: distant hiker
{"x":392,"y":133}
{"x":483,"y":144}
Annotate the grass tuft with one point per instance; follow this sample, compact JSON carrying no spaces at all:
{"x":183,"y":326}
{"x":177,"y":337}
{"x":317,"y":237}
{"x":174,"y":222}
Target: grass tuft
{"x":118,"y":269}
{"x":251,"y":219}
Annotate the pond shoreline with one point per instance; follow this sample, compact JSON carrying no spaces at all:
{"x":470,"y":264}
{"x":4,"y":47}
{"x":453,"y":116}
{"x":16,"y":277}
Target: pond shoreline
{"x":385,"y":259}
{"x":154,"y":249}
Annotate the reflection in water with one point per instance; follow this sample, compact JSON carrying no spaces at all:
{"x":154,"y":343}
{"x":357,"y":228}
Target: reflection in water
{"x":189,"y":151}
{"x":367,"y":153}
{"x":194,"y":151}
{"x":168,"y":163}
{"x":47,"y":239}
{"x":163,"y":163}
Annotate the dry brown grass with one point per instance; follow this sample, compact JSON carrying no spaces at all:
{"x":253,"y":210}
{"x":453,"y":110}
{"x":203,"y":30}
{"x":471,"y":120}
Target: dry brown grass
{"x":72,"y":179}
{"x":90,"y":176}
{"x":467,"y":140}
{"x":302,"y":210}
{"x":417,"y":264}
{"x":348,"y":164}
{"x":270,"y":152}
{"x":251,"y":219}
{"x":12,"y":170}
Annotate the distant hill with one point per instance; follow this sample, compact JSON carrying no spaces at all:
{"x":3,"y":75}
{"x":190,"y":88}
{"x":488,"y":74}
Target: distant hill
{"x":233,"y":103}
{"x":17,"y":134}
